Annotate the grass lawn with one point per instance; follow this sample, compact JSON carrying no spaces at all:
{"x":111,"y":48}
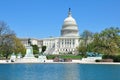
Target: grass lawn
{"x":65,"y":56}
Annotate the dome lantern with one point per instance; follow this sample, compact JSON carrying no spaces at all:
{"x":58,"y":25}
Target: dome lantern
{"x":69,"y":12}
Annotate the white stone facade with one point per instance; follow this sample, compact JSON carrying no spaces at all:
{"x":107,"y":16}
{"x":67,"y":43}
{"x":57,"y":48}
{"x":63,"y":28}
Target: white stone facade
{"x":61,"y":45}
{"x":66,"y":43}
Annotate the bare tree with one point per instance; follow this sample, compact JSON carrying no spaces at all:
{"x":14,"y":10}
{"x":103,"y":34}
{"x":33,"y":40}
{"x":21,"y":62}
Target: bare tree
{"x":6,"y":39}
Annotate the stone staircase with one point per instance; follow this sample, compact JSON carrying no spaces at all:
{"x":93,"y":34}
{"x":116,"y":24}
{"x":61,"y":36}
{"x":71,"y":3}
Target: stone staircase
{"x":50,"y":50}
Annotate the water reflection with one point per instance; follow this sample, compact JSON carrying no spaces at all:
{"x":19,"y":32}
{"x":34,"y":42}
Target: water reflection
{"x":71,"y":72}
{"x":39,"y":72}
{"x":59,"y":72}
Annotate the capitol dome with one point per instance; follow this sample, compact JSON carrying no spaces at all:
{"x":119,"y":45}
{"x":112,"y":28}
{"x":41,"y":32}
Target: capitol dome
{"x":69,"y":27}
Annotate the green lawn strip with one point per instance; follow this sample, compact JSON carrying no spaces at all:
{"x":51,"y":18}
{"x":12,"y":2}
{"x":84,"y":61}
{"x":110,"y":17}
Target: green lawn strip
{"x":64,"y":56}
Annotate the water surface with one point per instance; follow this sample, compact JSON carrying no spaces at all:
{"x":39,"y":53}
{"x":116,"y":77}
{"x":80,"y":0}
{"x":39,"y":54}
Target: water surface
{"x":59,"y":72}
{"x":39,"y":72}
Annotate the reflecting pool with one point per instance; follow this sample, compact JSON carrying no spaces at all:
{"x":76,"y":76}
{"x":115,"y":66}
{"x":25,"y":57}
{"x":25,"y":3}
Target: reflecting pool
{"x":59,"y":71}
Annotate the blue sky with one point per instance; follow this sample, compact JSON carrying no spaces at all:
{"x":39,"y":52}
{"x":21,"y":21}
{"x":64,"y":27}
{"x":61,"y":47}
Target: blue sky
{"x":44,"y":18}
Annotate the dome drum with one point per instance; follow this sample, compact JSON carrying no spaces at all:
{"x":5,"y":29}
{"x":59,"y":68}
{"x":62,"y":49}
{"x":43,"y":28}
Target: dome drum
{"x":67,"y":25}
{"x":70,"y":30}
{"x":69,"y":33}
{"x":70,"y":27}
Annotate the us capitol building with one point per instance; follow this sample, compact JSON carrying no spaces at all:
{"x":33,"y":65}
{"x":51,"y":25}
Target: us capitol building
{"x":66,"y":43}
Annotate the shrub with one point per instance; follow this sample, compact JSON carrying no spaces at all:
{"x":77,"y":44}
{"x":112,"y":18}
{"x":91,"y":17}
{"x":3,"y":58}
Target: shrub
{"x":97,"y":60}
{"x":108,"y":56}
{"x":116,"y":58}
{"x":107,"y":60}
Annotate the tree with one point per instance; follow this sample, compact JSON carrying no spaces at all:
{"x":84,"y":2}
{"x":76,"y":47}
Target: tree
{"x":87,"y":38}
{"x":43,"y":48}
{"x":9,"y":43}
{"x":82,"y":49}
{"x":6,"y":39}
{"x":110,"y":40}
{"x":35,"y":49}
{"x":18,"y":46}
{"x":107,"y":41}
{"x":97,"y":44}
